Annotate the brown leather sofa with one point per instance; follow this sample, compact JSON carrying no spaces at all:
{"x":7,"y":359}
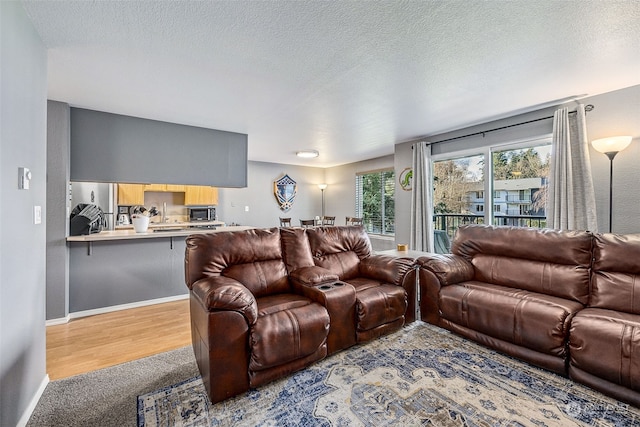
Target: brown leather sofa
{"x":567,"y":301}
{"x":267,"y":302}
{"x":604,"y":340}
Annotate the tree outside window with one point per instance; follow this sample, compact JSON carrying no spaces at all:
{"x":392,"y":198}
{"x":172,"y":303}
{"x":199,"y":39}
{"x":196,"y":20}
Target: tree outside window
{"x":375,"y":201}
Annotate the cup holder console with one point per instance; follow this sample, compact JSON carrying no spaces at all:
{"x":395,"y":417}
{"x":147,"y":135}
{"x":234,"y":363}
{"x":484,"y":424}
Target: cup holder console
{"x":328,"y":286}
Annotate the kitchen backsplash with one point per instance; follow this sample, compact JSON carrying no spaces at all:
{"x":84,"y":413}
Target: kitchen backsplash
{"x":176,"y":210}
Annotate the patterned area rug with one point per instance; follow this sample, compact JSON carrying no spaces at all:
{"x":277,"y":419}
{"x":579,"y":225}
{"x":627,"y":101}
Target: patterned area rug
{"x":421,"y":375}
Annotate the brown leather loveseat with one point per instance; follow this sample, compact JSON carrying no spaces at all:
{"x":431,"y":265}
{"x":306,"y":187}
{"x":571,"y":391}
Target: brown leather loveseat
{"x":567,"y":301}
{"x":268,"y":302}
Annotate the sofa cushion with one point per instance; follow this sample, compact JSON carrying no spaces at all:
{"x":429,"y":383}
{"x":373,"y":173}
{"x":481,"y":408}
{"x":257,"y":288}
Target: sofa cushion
{"x":261,"y":278}
{"x":536,"y":321}
{"x":378,"y":303}
{"x":280,"y":302}
{"x":616,"y":273}
{"x":299,"y":329}
{"x":606,"y":344}
{"x":296,"y":251}
{"x":544,"y":261}
{"x":331,"y":240}
{"x":343,"y":264}
{"x":253,"y":257}
{"x":560,"y":280}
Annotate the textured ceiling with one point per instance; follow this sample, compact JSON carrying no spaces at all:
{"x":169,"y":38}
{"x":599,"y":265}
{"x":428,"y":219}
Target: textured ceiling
{"x":347,"y":78}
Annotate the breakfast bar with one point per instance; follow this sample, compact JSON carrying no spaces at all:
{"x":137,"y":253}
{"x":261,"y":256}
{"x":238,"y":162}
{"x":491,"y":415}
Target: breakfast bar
{"x":122,"y":267}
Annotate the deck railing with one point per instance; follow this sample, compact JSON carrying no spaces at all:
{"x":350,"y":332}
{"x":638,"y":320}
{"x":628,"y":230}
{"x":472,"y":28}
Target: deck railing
{"x":451,"y":222}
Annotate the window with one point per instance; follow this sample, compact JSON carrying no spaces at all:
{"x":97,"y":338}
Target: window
{"x":522,"y":174}
{"x":375,"y":202}
{"x":515,"y":193}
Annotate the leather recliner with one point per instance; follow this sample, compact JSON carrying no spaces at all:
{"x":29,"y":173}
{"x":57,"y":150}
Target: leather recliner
{"x":265,"y":303}
{"x":248,"y":324}
{"x":513,"y":289}
{"x":384,"y":285}
{"x":568,"y":301}
{"x":604,"y":340}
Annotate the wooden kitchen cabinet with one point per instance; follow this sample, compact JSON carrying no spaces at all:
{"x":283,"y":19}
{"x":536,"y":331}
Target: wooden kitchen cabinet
{"x":155,"y":187}
{"x":195,"y":195}
{"x":131,"y":194}
{"x":175,"y":188}
{"x":171,"y":188}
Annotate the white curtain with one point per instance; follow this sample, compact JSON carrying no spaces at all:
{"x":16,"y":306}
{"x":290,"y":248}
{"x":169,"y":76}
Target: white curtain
{"x":422,"y":200}
{"x":570,"y":199}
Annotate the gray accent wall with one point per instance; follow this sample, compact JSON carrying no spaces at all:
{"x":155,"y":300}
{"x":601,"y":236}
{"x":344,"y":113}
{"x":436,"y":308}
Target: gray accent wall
{"x":117,"y":272}
{"x":58,"y":209}
{"x":23,"y":113}
{"x":109,"y":147}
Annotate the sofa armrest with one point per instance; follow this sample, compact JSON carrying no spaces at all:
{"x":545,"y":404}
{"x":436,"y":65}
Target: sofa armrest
{"x":447,"y":268}
{"x":339,"y":298}
{"x":310,"y":276}
{"x":221,"y":293}
{"x":386,"y":268}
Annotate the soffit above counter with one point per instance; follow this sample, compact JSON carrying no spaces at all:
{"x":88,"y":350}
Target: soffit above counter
{"x":108,"y":147}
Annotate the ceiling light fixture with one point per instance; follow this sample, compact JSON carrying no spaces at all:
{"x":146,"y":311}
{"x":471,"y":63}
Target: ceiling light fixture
{"x":307,"y":154}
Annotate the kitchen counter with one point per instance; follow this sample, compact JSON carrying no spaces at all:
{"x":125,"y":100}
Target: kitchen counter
{"x":159,"y":230}
{"x":175,"y":224}
{"x":118,"y":268}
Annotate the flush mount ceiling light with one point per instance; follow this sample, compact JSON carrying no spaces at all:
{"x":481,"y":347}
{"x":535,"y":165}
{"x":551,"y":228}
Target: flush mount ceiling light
{"x":307,"y":154}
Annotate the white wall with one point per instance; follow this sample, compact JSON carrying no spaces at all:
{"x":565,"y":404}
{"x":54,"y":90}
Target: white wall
{"x":263,"y":207}
{"x":258,"y":196}
{"x":23,"y":112}
{"x":617,"y":113}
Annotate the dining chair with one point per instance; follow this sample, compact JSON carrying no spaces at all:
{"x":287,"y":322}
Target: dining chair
{"x":328,"y":220}
{"x":306,"y":223}
{"x":285,"y":222}
{"x":351,"y":220}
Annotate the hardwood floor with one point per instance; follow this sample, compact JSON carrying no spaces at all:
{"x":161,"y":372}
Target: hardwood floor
{"x":103,"y":340}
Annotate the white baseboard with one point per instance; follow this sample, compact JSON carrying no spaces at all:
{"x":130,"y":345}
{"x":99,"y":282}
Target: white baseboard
{"x":60,"y":321}
{"x":22,"y":422}
{"x":102,"y":310}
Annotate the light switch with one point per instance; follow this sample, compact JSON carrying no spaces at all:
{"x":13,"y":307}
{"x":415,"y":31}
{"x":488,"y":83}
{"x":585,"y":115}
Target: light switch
{"x":246,"y":208}
{"x":37,"y":214}
{"x":24,"y":177}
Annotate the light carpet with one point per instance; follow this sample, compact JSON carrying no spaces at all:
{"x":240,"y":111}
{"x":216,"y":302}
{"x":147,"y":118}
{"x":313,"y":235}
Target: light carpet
{"x":421,"y":375}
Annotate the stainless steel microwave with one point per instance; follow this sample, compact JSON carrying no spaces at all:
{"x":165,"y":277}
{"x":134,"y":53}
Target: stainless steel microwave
{"x":203,"y":213}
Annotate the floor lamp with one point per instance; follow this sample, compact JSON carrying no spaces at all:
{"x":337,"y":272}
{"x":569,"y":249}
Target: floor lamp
{"x":611,"y":146}
{"x":322,"y":187}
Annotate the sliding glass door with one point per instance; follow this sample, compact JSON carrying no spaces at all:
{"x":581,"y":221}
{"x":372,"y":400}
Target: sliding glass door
{"x":458,"y":197}
{"x":514,"y":194}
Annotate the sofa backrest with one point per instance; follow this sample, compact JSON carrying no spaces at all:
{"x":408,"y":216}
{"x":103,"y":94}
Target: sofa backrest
{"x":339,"y":249}
{"x":616,"y":273}
{"x":546,"y":261}
{"x":252,"y":257}
{"x":296,"y":251}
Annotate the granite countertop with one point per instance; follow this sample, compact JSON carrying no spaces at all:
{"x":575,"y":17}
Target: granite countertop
{"x":166,"y":230}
